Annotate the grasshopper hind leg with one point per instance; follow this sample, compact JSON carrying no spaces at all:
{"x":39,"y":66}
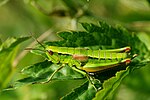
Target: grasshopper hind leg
{"x":94,"y":82}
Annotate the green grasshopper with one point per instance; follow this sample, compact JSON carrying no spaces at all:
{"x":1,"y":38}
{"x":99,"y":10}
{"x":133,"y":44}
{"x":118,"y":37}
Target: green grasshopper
{"x":85,"y":60}
{"x":78,"y":56}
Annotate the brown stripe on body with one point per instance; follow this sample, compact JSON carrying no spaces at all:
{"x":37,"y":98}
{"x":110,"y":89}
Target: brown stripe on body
{"x":80,"y":57}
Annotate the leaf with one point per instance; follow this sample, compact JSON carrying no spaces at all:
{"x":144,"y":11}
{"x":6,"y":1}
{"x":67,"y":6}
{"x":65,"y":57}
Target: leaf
{"x":42,"y":71}
{"x":8,"y":50}
{"x":10,"y":43}
{"x":85,"y":91}
{"x":65,"y":35}
{"x":111,"y":85}
{"x":104,"y":36}
{"x":39,"y":69}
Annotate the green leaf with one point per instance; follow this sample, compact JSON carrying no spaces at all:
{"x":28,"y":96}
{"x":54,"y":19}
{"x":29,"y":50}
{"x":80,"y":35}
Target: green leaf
{"x":65,"y":35}
{"x":10,"y":43}
{"x":111,"y":85}
{"x":41,"y":72}
{"x":8,"y":50}
{"x":104,"y":36}
{"x":83,"y":92}
{"x":42,"y":68}
{"x":95,"y":28}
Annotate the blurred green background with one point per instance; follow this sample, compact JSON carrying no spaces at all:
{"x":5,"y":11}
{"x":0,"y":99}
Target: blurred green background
{"x":22,"y":17}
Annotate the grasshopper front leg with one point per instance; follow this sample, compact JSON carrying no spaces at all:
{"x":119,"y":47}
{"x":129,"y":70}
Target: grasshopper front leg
{"x":51,"y":76}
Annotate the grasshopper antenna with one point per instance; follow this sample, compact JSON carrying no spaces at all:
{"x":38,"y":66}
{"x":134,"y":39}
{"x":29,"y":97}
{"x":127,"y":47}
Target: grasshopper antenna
{"x":32,"y":49}
{"x":37,"y":40}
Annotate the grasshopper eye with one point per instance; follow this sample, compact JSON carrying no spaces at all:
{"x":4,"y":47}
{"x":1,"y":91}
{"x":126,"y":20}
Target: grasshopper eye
{"x":50,"y":52}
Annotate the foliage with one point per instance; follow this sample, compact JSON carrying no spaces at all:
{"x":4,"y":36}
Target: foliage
{"x":38,"y":16}
{"x":8,"y":50}
{"x":103,"y":36}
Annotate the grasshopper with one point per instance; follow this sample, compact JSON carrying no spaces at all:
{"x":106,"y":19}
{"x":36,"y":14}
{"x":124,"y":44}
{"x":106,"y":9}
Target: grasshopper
{"x":85,"y":60}
{"x":82,"y":58}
